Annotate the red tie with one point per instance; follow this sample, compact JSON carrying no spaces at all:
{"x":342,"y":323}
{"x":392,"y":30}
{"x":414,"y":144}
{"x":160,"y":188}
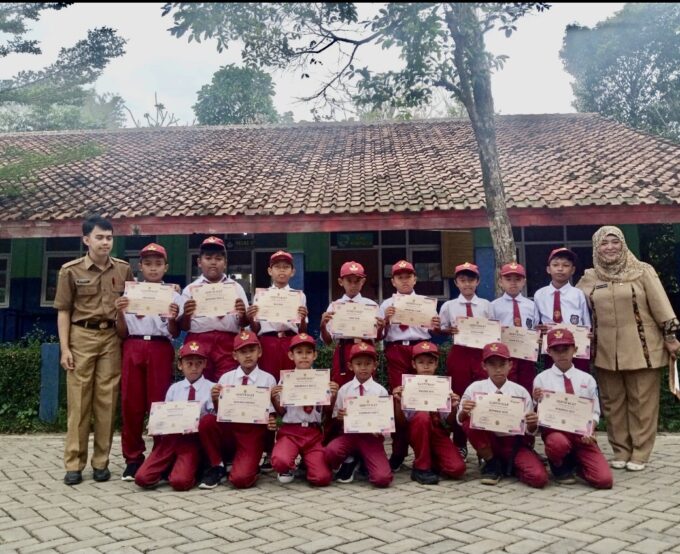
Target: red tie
{"x":403,"y":327}
{"x":192,"y":393}
{"x":568,"y":387}
{"x":516,"y":316}
{"x":468,"y":309}
{"x":244,"y":381}
{"x":361,"y":389}
{"x":557,"y":308}
{"x":308,"y":409}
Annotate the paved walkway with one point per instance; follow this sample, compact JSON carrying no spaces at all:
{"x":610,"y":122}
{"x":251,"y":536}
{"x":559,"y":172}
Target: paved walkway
{"x":38,"y":513}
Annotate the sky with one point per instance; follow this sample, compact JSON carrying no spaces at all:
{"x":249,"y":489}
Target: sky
{"x":532,"y":81}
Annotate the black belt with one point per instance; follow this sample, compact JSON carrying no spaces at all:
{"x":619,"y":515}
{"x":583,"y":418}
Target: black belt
{"x":355,"y":341}
{"x":305,"y":424}
{"x":149,"y":337}
{"x":405,"y":342}
{"x":93,"y":324}
{"x":279,"y":334}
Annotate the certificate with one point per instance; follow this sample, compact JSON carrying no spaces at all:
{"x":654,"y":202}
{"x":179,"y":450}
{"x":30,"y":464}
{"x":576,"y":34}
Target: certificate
{"x":580,"y":337}
{"x":499,"y":413}
{"x":169,"y":418}
{"x":522,"y":342}
{"x":354,"y":320}
{"x":369,"y":414}
{"x":149,"y":298}
{"x":277,"y":305}
{"x":306,"y":387}
{"x":673,"y":383}
{"x":414,"y":310}
{"x":244,"y":404}
{"x":566,"y":412}
{"x":426,"y":393}
{"x":477,"y":332}
{"x":214,"y":299}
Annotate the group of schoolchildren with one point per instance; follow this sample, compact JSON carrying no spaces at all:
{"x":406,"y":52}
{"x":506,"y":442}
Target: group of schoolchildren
{"x":309,"y":442}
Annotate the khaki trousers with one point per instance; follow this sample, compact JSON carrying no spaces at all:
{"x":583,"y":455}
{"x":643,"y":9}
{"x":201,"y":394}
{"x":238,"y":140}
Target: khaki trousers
{"x":92,"y":390}
{"x":630,"y":403}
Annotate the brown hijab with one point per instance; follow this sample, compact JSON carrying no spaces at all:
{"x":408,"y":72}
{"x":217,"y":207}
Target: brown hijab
{"x":625,"y":268}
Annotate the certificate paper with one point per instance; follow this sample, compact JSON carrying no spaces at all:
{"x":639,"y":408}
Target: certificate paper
{"x":244,"y":404}
{"x":499,"y":413}
{"x":369,"y":414}
{"x":278,"y":305}
{"x":169,"y":418}
{"x":414,"y":310}
{"x":522,"y":342}
{"x":566,"y":412}
{"x":305,"y":387}
{"x":354,"y":320}
{"x":149,"y":298}
{"x":580,"y":337}
{"x":214,"y":299}
{"x":426,"y":393}
{"x":477,"y":332}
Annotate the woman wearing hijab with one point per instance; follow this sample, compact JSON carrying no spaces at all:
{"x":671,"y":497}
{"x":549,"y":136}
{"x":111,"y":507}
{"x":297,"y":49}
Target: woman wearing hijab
{"x":634,"y":330}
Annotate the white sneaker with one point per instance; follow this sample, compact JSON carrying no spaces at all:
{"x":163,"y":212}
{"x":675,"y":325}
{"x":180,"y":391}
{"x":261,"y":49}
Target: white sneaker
{"x":634,"y":466}
{"x":618,"y":464}
{"x":286,"y":478}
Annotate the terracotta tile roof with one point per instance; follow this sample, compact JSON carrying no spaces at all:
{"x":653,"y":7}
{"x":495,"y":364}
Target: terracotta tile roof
{"x":548,"y":161}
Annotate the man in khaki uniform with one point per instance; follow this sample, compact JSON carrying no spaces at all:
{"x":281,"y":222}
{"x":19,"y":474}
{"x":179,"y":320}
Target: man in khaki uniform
{"x":90,"y":348}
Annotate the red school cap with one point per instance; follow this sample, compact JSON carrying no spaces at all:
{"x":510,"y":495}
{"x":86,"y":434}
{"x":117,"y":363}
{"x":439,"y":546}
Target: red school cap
{"x":557,"y":337}
{"x":352,"y":268}
{"x":213,"y":242}
{"x":153,"y":249}
{"x":245,"y":338}
{"x":513,"y":269}
{"x":467,"y":266}
{"x":281,"y":256}
{"x":425,"y":348}
{"x":402,"y":266}
{"x":363,"y":349}
{"x":302,"y":338}
{"x":565,"y":253}
{"x":495,"y":349}
{"x":192,"y":348}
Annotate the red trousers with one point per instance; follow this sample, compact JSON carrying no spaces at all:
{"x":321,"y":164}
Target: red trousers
{"x":591,"y":463}
{"x":398,"y":357}
{"x":464,"y":366}
{"x":523,"y":372}
{"x":340,"y":372}
{"x":291,"y":440}
{"x":371,"y":450}
{"x":275,"y":355}
{"x":432,"y":446}
{"x":527,"y":466}
{"x":146,"y":376}
{"x":579,"y":363}
{"x":219,"y":345}
{"x":181,"y":454}
{"x":243,"y":441}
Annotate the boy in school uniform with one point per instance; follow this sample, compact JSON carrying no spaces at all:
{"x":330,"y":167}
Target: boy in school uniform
{"x":148,"y":358}
{"x":178,"y":455}
{"x":435,"y":454}
{"x":244,"y":441}
{"x":501,"y":452}
{"x":363,"y":361}
{"x":215,"y":334}
{"x":399,"y":342}
{"x":560,"y":302}
{"x":514,"y":309}
{"x":463,"y":364}
{"x":352,"y":279}
{"x":567,"y":452}
{"x":301,"y":431}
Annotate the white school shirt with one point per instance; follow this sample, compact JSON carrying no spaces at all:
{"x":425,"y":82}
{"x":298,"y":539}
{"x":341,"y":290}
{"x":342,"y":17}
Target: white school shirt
{"x":451,"y":309}
{"x":180,"y":391}
{"x":573,"y":305}
{"x":152,"y":325}
{"x":487,"y":386}
{"x":351,"y":389}
{"x":358,"y":299}
{"x":501,"y":309}
{"x":257,"y":377}
{"x":584,"y":385}
{"x":203,"y":324}
{"x":297,"y":414}
{"x":393,"y":333}
{"x":266,"y":327}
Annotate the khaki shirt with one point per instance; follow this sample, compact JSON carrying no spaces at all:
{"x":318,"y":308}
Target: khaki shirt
{"x":628,"y":320}
{"x":88,"y":292}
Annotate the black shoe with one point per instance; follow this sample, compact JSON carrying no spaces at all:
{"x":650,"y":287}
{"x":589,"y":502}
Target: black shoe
{"x":424,"y":476}
{"x":463,"y":452}
{"x":266,"y":465}
{"x":346,"y":472}
{"x":73,"y":477}
{"x":130,"y":472}
{"x":492,"y":471}
{"x":362,"y":471}
{"x":395,"y":463}
{"x":301,"y":470}
{"x":564,"y":474}
{"x":212,"y":477}
{"x":101,"y":475}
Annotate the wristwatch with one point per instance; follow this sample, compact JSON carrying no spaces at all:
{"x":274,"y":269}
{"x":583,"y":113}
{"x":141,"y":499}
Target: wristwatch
{"x":669,"y":338}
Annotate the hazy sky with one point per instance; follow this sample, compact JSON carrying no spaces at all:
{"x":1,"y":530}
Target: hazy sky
{"x":533,"y":80}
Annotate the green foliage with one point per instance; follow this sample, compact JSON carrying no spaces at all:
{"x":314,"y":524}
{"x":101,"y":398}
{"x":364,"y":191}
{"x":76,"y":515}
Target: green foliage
{"x":13,"y":17}
{"x":628,"y":67}
{"x":659,"y":247}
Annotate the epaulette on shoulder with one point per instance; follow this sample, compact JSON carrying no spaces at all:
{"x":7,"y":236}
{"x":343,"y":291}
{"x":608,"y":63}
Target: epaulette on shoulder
{"x":118,"y":260}
{"x":73,"y":262}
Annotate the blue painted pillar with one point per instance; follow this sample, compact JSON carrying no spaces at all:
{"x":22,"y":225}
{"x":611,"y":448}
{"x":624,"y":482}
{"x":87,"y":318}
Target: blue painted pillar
{"x":49,"y":382}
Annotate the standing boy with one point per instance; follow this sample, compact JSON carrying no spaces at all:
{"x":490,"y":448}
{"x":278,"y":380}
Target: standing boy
{"x":148,"y":358}
{"x":178,"y":455}
{"x":90,"y":348}
{"x":567,"y":452}
{"x":214,"y":334}
{"x":501,"y":452}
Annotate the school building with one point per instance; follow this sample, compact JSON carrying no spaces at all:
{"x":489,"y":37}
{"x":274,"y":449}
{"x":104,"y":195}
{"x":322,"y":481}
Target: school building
{"x":328,"y":192}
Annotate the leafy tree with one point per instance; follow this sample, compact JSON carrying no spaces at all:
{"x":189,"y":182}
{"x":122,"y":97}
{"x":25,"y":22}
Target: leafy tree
{"x":628,"y":67}
{"x":442,"y":45}
{"x":236,"y":95}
